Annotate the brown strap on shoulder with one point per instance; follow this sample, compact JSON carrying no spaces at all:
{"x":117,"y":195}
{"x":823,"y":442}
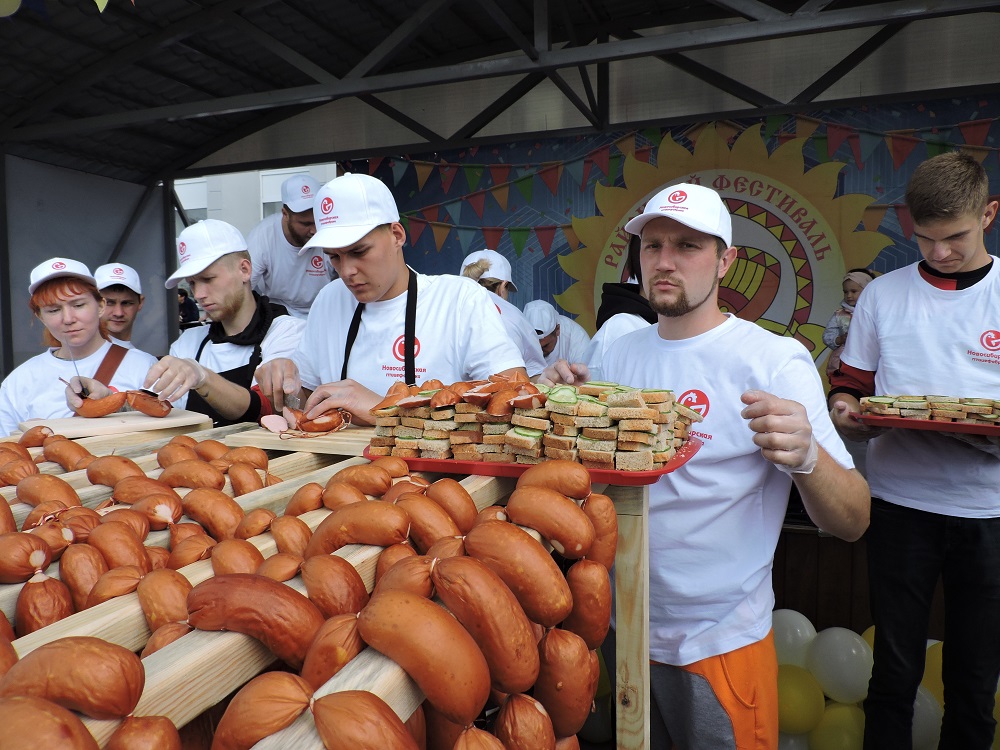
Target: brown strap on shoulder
{"x":109,"y":365}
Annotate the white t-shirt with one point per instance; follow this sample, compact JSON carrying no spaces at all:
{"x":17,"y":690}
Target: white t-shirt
{"x":714,"y":522}
{"x":121,"y":342}
{"x":280,"y":341}
{"x":521,"y":333}
{"x":33,"y":390}
{"x":921,"y":340}
{"x":572,"y":343}
{"x":281,"y":273}
{"x":460,"y":336}
{"x":613,"y":329}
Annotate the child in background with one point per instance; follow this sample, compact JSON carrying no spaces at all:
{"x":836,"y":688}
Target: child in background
{"x":836,"y":330}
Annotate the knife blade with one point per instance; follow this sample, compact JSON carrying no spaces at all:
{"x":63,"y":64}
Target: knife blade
{"x":83,"y":389}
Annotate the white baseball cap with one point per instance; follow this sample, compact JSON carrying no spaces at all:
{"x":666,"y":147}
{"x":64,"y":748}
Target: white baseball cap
{"x":349,"y":207}
{"x":53,"y":268}
{"x":693,"y":206}
{"x":499,"y":266}
{"x":111,"y":274}
{"x":542,"y":316}
{"x":298,"y":192}
{"x":201,"y":244}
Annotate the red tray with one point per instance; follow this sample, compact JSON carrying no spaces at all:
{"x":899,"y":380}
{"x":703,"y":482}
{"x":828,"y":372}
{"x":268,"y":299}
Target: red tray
{"x":907,"y":423}
{"x":601,"y":476}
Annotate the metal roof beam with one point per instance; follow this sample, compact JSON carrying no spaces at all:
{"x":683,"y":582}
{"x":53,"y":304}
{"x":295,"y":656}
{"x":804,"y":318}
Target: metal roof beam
{"x":811,"y":7}
{"x":397,"y":40}
{"x":752,"y":10}
{"x":514,"y":94}
{"x":502,"y":20}
{"x":281,"y":50}
{"x":403,"y":119}
{"x":875,"y":14}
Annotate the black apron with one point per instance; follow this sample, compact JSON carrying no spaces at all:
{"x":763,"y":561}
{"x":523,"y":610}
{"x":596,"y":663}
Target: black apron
{"x":252,"y":335}
{"x":409,"y":333}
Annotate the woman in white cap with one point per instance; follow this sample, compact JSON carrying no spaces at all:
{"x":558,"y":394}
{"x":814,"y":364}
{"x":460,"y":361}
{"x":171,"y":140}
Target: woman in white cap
{"x":492,"y":271}
{"x":65,"y":298}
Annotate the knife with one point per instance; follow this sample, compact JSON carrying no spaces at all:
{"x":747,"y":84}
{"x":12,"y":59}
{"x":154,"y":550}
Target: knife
{"x":83,"y":389}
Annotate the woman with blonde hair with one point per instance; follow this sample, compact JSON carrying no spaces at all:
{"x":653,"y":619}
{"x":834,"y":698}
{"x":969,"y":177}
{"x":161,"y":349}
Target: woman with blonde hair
{"x":65,"y":298}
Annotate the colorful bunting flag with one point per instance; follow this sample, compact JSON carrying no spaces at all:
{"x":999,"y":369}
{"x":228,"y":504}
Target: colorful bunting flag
{"x":901,"y":146}
{"x":398,"y":170}
{"x":518,"y":238}
{"x":872,"y":218}
{"x":601,"y":158}
{"x":448,"y":174}
{"x":856,"y":150}
{"x":905,"y":220}
{"x":454,"y":211}
{"x":500,"y":194}
{"x":975,"y":132}
{"x":550,"y":176}
{"x":936,"y":148}
{"x":772,"y":123}
{"x":869,"y":142}
{"x":431,"y":213}
{"x":441,"y":232}
{"x":465,"y":237}
{"x":374,"y":163}
{"x":545,"y":236}
{"x":492,"y":237}
{"x":575,"y":169}
{"x":526,"y":186}
{"x":805,"y":126}
{"x":653,"y":135}
{"x":626,"y":145}
{"x":571,"y":239}
{"x":473,"y":175}
{"x":836,"y":135}
{"x":101,"y":5}
{"x":477,"y":201}
{"x":500,"y":173}
{"x":423,"y":172}
{"x":417,"y":227}
{"x":643,"y":154}
{"x":821,"y":147}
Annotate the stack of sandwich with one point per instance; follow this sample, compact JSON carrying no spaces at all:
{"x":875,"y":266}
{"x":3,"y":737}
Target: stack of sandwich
{"x":601,"y":425}
{"x":937,"y":408}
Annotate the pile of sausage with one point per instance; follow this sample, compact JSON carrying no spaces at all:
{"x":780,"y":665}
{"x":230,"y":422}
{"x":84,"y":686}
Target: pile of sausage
{"x":467,"y":603}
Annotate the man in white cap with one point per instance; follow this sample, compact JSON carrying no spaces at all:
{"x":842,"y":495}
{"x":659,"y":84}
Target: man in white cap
{"x":283,"y":270}
{"x":560,"y":337}
{"x":210,"y":369}
{"x":119,"y":285}
{"x":493,"y":273}
{"x":715,"y":521}
{"x":381,"y":321}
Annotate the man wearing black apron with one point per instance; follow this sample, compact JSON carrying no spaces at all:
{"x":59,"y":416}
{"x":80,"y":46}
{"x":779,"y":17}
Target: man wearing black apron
{"x":210,"y":369}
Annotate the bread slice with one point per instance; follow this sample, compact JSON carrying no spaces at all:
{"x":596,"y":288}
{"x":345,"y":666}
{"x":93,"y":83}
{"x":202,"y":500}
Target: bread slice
{"x":379,"y":451}
{"x":631,"y":412}
{"x":495,"y":428}
{"x":521,"y":459}
{"x":628,"y":399}
{"x":601,"y":457}
{"x":413,"y":422}
{"x":634,"y":460}
{"x":434,"y":444}
{"x":600,"y":433}
{"x":683,"y":411}
{"x":435,"y":454}
{"x":598,"y":465}
{"x":421,"y":412}
{"x":657,"y":396}
{"x":539,"y":413}
{"x":636,"y":425}
{"x":532,"y":422}
{"x":559,"y":442}
{"x":463,"y":408}
{"x":445,"y":413}
{"x":494,"y":439}
{"x":456,"y":438}
{"x":383,"y":431}
{"x":595,"y":388}
{"x":583,"y":443}
{"x":382,"y":442}
{"x":404,"y":452}
{"x":407,"y":432}
{"x":592,"y":421}
{"x":560,"y":408}
{"x":627,"y":436}
{"x":565,"y":429}
{"x":386,"y":421}
{"x":485,"y":418}
{"x":467,"y":418}
{"x":588,"y":408}
{"x":565,"y":419}
{"x":562,"y":455}
{"x":500,"y":458}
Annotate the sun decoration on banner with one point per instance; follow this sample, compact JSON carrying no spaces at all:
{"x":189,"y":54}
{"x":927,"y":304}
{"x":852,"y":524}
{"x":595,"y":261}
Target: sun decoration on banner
{"x":794,"y":238}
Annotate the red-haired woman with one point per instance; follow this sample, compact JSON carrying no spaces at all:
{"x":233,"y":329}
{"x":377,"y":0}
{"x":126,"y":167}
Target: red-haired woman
{"x":65,"y":298}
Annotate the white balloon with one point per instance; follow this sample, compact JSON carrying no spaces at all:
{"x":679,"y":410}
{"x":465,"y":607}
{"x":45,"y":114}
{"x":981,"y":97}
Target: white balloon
{"x":931,"y":642}
{"x":841,"y":662}
{"x":793,"y":741}
{"x":793,"y":632}
{"x":927,"y":715}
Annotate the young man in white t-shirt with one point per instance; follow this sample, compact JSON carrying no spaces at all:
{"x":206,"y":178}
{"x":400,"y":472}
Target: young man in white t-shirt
{"x":283,"y":270}
{"x":122,"y":291}
{"x":381,"y":322}
{"x":714,"y":523}
{"x":931,"y":328}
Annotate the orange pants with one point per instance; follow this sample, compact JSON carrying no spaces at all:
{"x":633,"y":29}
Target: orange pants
{"x":722,"y":702}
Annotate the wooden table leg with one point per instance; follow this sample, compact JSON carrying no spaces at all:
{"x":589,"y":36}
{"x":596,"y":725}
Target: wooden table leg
{"x":632,"y":617}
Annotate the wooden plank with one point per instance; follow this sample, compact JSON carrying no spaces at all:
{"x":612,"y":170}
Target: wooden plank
{"x":119,"y":422}
{"x":350,"y":441}
{"x":632,"y":618}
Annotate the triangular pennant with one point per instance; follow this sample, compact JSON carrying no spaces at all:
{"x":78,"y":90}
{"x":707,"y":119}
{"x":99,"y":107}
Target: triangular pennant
{"x":836,"y":135}
{"x":784,"y":138}
{"x":627,"y":144}
{"x":869,"y":142}
{"x":499,"y":173}
{"x":975,"y":132}
{"x":614,"y":168}
{"x":441,"y":232}
{"x":545,"y":236}
{"x":431,"y":213}
{"x":550,"y":176}
{"x":417,"y":227}
{"x":374,"y":163}
{"x":526,"y":186}
{"x":101,"y":5}
{"x":642,"y":154}
{"x":575,"y":169}
{"x":518,"y":238}
{"x":500,"y":195}
{"x":900,"y":146}
{"x":979,"y":153}
{"x":821,"y":148}
{"x":465,"y":237}
{"x":936,"y":148}
{"x":856,"y":150}
{"x":424,"y":170}
{"x":454,"y":211}
{"x":477,"y":201}
{"x":653,"y":135}
{"x":601,"y":157}
{"x":873,"y":216}
{"x":473,"y":175}
{"x":405,"y":221}
{"x":805,"y":126}
{"x":585,"y":177}
{"x":492,"y":237}
{"x":571,"y":239}
{"x":905,"y":220}
{"x":448,"y":174}
{"x":772,"y":123}
{"x":398,"y":170}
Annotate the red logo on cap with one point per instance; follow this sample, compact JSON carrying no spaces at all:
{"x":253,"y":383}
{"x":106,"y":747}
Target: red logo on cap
{"x":317,"y":261}
{"x":695,"y":400}
{"x":399,"y":348}
{"x":678,"y":196}
{"x":117,"y":271}
{"x":182,"y":250}
{"x":327,"y":205}
{"x":58,"y":265}
{"x":990,"y":340}
{"x":305,"y":190}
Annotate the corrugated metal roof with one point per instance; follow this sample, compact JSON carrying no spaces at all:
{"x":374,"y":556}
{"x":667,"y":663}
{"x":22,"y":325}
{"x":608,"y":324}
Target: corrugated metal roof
{"x":137,"y":93}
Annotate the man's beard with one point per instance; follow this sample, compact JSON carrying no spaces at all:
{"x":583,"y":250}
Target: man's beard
{"x":228,"y":308}
{"x":681,"y":305}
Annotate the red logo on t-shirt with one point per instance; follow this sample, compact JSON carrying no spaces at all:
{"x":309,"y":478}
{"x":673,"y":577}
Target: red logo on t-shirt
{"x":695,"y":401}
{"x":399,"y":348}
{"x":58,"y":265}
{"x":317,"y":261}
{"x":990,"y":340}
{"x":326,"y":205}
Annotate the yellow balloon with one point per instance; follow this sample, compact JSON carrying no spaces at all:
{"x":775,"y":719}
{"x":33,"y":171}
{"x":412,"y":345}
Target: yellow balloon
{"x":9,"y":7}
{"x":932,"y":672}
{"x":841,"y":728}
{"x":869,"y":636}
{"x":800,"y":700}
{"x":996,"y":716}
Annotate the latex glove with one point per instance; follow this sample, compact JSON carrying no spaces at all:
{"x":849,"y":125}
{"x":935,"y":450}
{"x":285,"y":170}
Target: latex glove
{"x":278,"y":380}
{"x":173,"y":377}
{"x":783,"y":432}
{"x":343,"y":394}
{"x":95,"y":389}
{"x":564,"y":372}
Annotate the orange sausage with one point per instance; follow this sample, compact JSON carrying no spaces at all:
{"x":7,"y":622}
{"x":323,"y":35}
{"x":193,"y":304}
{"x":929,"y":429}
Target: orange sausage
{"x":158,"y":557}
{"x":34,"y":436}
{"x":491,"y":513}
{"x":244,"y":478}
{"x":99,"y":407}
{"x":359,"y":720}
{"x":333,"y":585}
{"x":7,"y":522}
{"x":164,"y":636}
{"x":31,"y":723}
{"x":477,"y":739}
{"x":235,"y":556}
{"x":81,"y":521}
{"x":281,"y":567}
{"x":138,"y":522}
{"x":209,"y":450}
{"x":456,"y":500}
{"x":527,"y":569}
{"x":449,"y":546}
{"x":213,"y":509}
{"x":37,"y":488}
{"x":160,"y":510}
{"x":44,"y":511}
{"x":265,"y":705}
{"x":566,"y":477}
{"x":279,"y":616}
{"x":133,"y":489}
{"x":401,"y":488}
{"x":171,"y":453}
{"x":390,"y":556}
{"x":372,"y":522}
{"x":108,"y":470}
{"x":523,"y":724}
{"x":553,"y":515}
{"x":163,"y":597}
{"x":80,"y":567}
{"x":12,"y":472}
{"x":148,"y":405}
{"x":291,"y":534}
{"x":306,"y":498}
{"x":411,"y":574}
{"x":566,"y":682}
{"x":338,"y":494}
{"x":249,"y":454}
{"x":116,"y":582}
{"x":193,"y":474}
{"x":42,"y":601}
{"x":21,"y":555}
{"x":181,"y":531}
{"x":66,"y":453}
{"x":335,"y":644}
{"x":119,"y":545}
{"x":57,"y":536}
{"x":433,"y":648}
{"x":428,"y":520}
{"x":396,"y":466}
{"x":190,"y":549}
{"x":145,"y":733}
{"x":590,"y":586}
{"x":370,"y":479}
{"x":256,"y":522}
{"x":601,"y":511}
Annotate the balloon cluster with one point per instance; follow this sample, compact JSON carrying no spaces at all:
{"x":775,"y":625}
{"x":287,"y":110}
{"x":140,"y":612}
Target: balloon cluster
{"x":823,"y":679}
